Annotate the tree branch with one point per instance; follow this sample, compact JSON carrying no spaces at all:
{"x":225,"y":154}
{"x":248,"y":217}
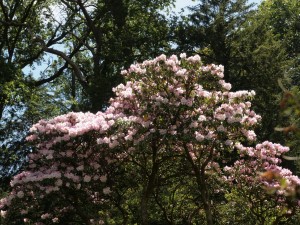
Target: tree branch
{"x":90,"y":22}
{"x":49,"y":79}
{"x":76,"y":69}
{"x":20,"y":28}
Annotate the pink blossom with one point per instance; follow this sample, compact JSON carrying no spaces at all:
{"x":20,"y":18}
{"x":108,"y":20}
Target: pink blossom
{"x":161,"y":58}
{"x":59,"y":182}
{"x":202,"y":118}
{"x":106,"y":191}
{"x":103,"y":178}
{"x":194,"y":124}
{"x":46,"y":216}
{"x":55,"y":220}
{"x":199,"y":136}
{"x":20,"y":194}
{"x":181,"y":73}
{"x":194,"y":59}
{"x":87,"y":178}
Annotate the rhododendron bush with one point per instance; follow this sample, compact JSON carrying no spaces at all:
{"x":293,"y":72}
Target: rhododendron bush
{"x":274,"y":202}
{"x":173,"y":128}
{"x":65,"y":174}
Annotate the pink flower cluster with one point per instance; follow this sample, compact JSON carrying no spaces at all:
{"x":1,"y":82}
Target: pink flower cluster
{"x":259,"y":169}
{"x":66,"y":159}
{"x":178,"y":99}
{"x":176,"y":102}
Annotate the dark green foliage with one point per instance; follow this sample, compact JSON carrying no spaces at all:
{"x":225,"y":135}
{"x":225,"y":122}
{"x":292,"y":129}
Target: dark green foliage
{"x":209,"y":29}
{"x":258,"y":61}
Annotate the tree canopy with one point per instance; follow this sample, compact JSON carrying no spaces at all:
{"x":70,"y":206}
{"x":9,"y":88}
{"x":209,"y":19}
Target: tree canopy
{"x":90,"y":42}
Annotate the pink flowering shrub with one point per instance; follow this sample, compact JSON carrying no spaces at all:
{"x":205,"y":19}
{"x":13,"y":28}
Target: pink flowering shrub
{"x":267,"y":189}
{"x":181,"y":107}
{"x":170,"y":114}
{"x":66,"y":178}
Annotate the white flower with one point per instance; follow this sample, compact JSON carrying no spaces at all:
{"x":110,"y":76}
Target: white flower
{"x":202,"y":118}
{"x":183,"y":55}
{"x":3,"y":213}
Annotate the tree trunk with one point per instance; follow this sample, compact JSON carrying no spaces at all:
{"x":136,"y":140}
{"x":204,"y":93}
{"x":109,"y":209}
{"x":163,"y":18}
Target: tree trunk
{"x":144,"y":208}
{"x":148,"y":189}
{"x":206,"y":204}
{"x":201,"y":181}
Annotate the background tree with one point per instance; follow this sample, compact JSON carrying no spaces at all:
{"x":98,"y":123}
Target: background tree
{"x":22,"y":102}
{"x":209,"y":29}
{"x":259,"y":60}
{"x":282,"y":19}
{"x":99,"y":34}
{"x":83,"y":44}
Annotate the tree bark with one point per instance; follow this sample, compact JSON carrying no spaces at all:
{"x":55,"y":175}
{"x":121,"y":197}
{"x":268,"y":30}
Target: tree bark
{"x":202,"y":186}
{"x":149,"y":188}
